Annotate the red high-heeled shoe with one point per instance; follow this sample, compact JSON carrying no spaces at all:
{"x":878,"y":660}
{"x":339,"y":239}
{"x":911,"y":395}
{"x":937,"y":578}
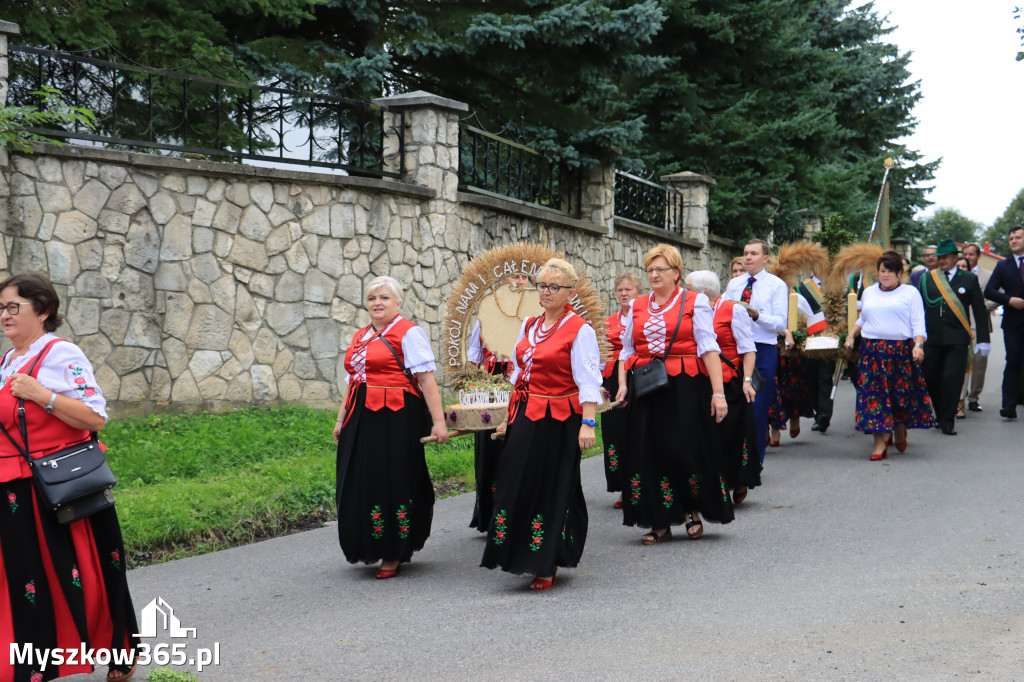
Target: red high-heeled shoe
{"x":541,"y":584}
{"x":884,"y":454}
{"x":901,"y":447}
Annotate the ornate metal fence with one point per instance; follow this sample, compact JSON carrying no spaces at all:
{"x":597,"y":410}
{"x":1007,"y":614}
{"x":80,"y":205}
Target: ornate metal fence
{"x":141,"y":108}
{"x":495,"y":165}
{"x":649,"y":203}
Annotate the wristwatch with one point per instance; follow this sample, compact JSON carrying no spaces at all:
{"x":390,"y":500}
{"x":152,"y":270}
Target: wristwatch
{"x":49,"y":405}
{"x":590,"y":422}
{"x":918,"y":345}
{"x":749,"y":380}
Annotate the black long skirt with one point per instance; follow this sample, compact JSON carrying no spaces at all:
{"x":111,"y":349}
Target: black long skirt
{"x":384,"y":495}
{"x":740,"y":463}
{"x":486,"y":456}
{"x":613,"y":433}
{"x":61,"y":586}
{"x":540,"y":517}
{"x":674,"y":464}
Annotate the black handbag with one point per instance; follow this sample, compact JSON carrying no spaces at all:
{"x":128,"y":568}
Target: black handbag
{"x":75,"y":481}
{"x":756,"y":380}
{"x":653,"y":376}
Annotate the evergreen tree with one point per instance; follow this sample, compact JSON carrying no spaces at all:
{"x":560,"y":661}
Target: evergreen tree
{"x":949,"y":223}
{"x":999,"y":234}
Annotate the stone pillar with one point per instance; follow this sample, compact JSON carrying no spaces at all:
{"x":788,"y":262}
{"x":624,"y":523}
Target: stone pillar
{"x":901,"y":246}
{"x":812,"y":225}
{"x":431,"y":137}
{"x":597,"y":203}
{"x":695,"y":190}
{"x":6,"y":29}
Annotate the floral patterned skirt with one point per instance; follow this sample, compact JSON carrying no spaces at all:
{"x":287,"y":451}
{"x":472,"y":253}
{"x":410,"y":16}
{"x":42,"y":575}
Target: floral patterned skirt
{"x":61,"y":586}
{"x":738,"y":437}
{"x":793,"y":396}
{"x":384,"y":495}
{"x":540,"y":517}
{"x":891,"y":388}
{"x":486,"y":456}
{"x":674,"y":463}
{"x":613,"y":433}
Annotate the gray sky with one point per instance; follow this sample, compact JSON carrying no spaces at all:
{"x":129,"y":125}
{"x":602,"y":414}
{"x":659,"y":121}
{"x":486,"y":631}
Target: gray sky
{"x":964,"y":56}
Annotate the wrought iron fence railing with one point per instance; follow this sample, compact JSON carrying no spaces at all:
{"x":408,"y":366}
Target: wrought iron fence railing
{"x":649,"y":203}
{"x":495,"y":165}
{"x":142,"y":108}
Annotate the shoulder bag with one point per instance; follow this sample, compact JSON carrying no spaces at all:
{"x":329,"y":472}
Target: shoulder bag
{"x":756,"y":380}
{"x":653,"y":376}
{"x":75,"y":481}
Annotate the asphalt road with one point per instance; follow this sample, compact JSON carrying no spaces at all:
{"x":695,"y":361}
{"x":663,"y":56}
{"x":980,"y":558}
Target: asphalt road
{"x":836,"y":568}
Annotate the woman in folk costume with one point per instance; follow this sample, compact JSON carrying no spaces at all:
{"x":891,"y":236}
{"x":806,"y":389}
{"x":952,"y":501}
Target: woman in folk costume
{"x":62,"y":586}
{"x":540,"y":516}
{"x":792,"y":389}
{"x":736,"y":340}
{"x":384,"y":495}
{"x":891,"y":391}
{"x":613,"y":422}
{"x":673,"y":472}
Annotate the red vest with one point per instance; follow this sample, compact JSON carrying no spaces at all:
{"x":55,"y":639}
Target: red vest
{"x":386,"y":384}
{"x":726,"y":341}
{"x":550,"y":382}
{"x":46,"y":432}
{"x":683,"y":354}
{"x":615,"y":329}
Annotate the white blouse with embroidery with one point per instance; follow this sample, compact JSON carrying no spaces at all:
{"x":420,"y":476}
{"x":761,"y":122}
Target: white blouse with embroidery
{"x":703,"y":327}
{"x":65,"y":370}
{"x":585,"y":358}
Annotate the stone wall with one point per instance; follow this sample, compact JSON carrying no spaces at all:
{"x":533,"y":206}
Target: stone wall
{"x":199,"y":285}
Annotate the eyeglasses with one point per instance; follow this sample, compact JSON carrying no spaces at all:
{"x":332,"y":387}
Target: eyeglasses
{"x":658,"y":271}
{"x":12,"y":309}
{"x":552,"y":288}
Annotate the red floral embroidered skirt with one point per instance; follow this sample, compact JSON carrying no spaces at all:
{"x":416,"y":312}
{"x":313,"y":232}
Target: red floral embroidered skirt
{"x":540,"y":516}
{"x":61,"y":586}
{"x":891,"y":388}
{"x":613,"y":433}
{"x":384,"y":495}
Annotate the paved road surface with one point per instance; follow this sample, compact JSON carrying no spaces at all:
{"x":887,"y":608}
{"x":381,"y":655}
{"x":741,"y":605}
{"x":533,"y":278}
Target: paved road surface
{"x":837,"y":568}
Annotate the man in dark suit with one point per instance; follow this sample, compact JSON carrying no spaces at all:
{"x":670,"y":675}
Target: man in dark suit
{"x":950,"y":296}
{"x":1006,"y":287}
{"x":930,"y":263}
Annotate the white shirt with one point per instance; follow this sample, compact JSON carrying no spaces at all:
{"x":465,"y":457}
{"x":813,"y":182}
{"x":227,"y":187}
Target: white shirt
{"x":703,"y":327}
{"x":416,"y":351}
{"x":892,"y":315}
{"x":65,"y":370}
{"x":475,"y":352}
{"x":585,"y":358}
{"x":768,"y":297}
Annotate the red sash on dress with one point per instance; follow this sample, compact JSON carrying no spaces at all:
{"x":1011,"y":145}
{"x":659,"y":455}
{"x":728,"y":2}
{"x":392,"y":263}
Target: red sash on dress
{"x":551,"y":383}
{"x":726,"y":341}
{"x":615,"y":329}
{"x":386,"y":384}
{"x":683,"y":354}
{"x":46,"y":433}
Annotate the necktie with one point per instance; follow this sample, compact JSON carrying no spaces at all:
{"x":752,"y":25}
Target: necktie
{"x":749,"y":289}
{"x":1020,"y":266}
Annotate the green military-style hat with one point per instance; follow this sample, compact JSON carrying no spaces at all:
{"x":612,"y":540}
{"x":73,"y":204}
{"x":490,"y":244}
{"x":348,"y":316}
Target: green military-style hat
{"x":946,"y":246}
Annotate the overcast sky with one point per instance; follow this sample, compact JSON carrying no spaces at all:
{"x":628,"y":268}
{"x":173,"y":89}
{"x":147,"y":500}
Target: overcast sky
{"x":971,"y":113}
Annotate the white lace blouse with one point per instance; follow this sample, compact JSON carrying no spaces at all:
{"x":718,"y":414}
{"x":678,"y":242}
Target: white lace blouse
{"x":703,"y":326}
{"x":585,"y":358}
{"x":416,"y":351}
{"x":65,"y":370}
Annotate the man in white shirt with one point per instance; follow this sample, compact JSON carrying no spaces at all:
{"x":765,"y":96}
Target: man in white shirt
{"x":767,"y":300}
{"x":979,"y":365}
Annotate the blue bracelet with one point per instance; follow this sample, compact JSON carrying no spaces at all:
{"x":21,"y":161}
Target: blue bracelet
{"x":590,"y":422}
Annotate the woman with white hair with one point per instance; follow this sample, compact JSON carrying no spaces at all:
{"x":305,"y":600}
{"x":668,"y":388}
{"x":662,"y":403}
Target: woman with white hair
{"x":739,"y":463}
{"x":540,"y":516}
{"x":385,"y":498}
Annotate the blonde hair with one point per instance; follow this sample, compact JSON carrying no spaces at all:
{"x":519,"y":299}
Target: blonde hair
{"x":385,"y":282}
{"x":630,"y":277}
{"x":562,"y":267}
{"x":738,"y":260}
{"x":669,"y":253}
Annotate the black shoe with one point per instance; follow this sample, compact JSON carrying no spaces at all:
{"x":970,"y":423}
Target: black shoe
{"x":975,"y":407}
{"x":815,"y":427}
{"x":948,"y":429}
{"x":1008,"y":414}
{"x":823,"y":426}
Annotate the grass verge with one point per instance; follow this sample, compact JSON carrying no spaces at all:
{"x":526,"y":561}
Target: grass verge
{"x":189,"y":484}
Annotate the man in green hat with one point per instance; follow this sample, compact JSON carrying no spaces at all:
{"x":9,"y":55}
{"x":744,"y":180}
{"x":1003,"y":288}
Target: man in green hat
{"x":950,"y":296}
